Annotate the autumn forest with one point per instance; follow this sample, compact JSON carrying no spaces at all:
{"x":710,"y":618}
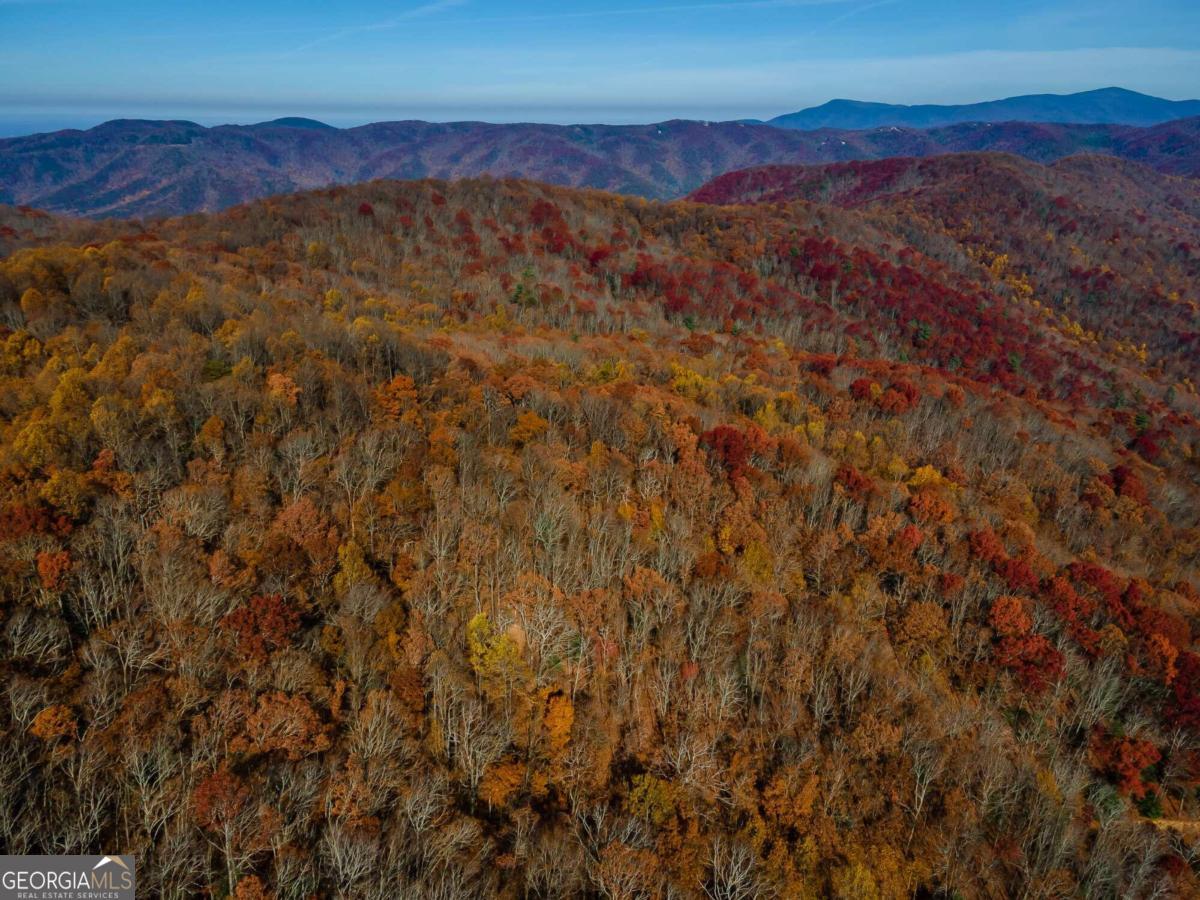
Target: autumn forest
{"x":834,"y":532}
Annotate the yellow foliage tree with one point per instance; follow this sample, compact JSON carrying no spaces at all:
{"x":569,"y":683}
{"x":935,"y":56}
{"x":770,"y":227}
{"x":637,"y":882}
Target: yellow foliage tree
{"x":530,"y":426}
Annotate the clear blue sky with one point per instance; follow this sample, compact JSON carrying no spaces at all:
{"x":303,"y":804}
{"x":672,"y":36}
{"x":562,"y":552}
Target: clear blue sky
{"x":73,"y":63}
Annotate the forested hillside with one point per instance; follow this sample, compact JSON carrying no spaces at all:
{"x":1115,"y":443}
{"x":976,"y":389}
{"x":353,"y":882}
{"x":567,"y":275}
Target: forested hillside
{"x":155,"y":168}
{"x":1104,"y":247}
{"x":494,"y":539}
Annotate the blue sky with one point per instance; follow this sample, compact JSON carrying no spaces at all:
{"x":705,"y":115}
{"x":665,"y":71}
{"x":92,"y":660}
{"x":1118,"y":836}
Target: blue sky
{"x":74,"y":63}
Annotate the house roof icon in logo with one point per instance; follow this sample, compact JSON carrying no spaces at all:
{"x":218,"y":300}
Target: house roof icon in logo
{"x":105,"y":860}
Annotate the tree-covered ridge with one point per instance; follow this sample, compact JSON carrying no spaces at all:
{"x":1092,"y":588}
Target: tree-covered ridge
{"x":1101,"y":247}
{"x":486,"y":538}
{"x":132,"y":167}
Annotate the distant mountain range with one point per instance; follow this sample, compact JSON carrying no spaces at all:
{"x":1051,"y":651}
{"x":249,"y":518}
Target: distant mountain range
{"x":1110,"y":106}
{"x":157,"y":168}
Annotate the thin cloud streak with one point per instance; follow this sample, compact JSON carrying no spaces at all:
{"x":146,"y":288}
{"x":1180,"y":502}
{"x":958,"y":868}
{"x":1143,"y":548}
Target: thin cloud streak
{"x":675,"y":7}
{"x":857,"y":11}
{"x":624,"y":12}
{"x":418,"y":12}
{"x":631,"y":12}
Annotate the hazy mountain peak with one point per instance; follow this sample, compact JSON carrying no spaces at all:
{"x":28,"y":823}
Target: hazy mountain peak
{"x":1109,"y":105}
{"x":297,"y":122}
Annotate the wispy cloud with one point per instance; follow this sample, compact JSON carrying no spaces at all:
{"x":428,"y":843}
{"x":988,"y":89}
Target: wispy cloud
{"x":859,"y":10}
{"x":632,"y":11}
{"x":438,"y":6}
{"x":417,"y":12}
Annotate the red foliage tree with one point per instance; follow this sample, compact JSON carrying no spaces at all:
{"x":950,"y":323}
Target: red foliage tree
{"x":986,"y":546}
{"x":265,"y":624}
{"x":1123,"y":760}
{"x":731,"y":449}
{"x":857,"y":485}
{"x":1009,"y":616}
{"x":1034,"y":660}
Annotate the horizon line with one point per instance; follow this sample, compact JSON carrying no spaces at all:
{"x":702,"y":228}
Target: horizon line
{"x":26,"y":113}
